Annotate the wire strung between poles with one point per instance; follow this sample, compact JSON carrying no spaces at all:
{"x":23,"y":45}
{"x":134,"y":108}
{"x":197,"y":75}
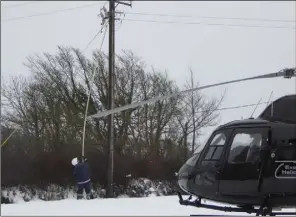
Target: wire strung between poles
{"x":286,"y":73}
{"x":5,"y":142}
{"x":89,"y":93}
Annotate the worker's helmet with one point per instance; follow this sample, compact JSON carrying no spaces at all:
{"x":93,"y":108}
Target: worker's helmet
{"x":74,"y":161}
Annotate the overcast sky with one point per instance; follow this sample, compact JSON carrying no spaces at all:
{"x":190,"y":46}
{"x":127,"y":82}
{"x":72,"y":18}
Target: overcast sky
{"x":215,"y":52}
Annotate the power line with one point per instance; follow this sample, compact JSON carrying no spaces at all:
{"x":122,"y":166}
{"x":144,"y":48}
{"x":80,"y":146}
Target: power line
{"x":211,"y":24}
{"x":152,"y":14}
{"x":237,"y":107}
{"x":5,"y":141}
{"x":20,"y":4}
{"x":212,"y":17}
{"x":100,"y":31}
{"x":50,"y":12}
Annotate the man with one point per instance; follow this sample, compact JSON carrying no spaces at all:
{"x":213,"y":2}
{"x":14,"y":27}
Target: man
{"x":82,"y":175}
{"x":254,"y":149}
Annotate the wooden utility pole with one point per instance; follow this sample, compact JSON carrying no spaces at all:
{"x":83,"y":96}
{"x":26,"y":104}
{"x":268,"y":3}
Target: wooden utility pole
{"x":111,"y":16}
{"x":109,"y":192}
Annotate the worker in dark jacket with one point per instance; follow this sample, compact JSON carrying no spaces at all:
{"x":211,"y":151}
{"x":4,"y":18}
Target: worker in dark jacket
{"x":82,"y":176}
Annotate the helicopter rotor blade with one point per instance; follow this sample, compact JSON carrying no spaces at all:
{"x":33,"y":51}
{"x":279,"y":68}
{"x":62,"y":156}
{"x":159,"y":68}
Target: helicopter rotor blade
{"x":286,"y":73}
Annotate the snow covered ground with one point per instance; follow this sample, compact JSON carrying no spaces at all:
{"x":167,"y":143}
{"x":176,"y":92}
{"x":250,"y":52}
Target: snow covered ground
{"x":166,"y":206}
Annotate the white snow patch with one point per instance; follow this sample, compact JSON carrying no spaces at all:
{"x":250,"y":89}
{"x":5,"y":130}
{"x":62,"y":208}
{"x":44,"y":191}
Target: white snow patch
{"x":166,"y":205}
{"x":153,"y":206}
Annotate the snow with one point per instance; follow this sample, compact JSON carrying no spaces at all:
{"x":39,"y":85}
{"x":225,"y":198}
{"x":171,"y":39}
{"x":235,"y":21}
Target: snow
{"x":153,"y":206}
{"x":165,"y":205}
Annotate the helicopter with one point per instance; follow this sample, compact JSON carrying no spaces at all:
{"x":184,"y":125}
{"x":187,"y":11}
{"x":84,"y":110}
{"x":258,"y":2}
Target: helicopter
{"x":248,"y":163}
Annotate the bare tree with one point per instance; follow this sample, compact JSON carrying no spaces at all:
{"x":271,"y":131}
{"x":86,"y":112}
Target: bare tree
{"x":49,"y":108}
{"x":196,"y":112}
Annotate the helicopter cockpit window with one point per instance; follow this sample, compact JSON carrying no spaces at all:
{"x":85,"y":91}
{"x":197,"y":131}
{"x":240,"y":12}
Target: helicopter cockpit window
{"x":215,"y":149}
{"x":192,"y":161}
{"x":218,"y":140}
{"x":245,"y":148}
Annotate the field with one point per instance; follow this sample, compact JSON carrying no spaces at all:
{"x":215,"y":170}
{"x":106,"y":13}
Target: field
{"x":165,"y":206}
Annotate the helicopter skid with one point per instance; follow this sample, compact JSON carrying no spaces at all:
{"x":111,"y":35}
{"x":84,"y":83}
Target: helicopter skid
{"x":263,"y":211}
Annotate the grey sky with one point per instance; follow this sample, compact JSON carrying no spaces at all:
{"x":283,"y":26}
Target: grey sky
{"x":215,"y":53}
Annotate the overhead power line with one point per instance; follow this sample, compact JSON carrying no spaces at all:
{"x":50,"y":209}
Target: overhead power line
{"x":213,"y":17}
{"x":175,"y":15}
{"x":20,"y":4}
{"x":211,"y":24}
{"x":50,"y":12}
{"x":11,"y":134}
{"x":237,"y":107}
{"x":234,"y":107}
{"x":145,"y":14}
{"x":100,"y":31}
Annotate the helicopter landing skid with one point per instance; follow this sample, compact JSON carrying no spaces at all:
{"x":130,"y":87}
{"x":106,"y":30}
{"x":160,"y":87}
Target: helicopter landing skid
{"x":263,"y":211}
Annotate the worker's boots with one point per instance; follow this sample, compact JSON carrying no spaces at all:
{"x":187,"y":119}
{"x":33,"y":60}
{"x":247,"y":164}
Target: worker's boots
{"x":89,"y":196}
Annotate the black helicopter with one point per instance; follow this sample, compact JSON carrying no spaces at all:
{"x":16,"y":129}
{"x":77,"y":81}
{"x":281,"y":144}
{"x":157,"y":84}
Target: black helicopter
{"x":249,"y":163}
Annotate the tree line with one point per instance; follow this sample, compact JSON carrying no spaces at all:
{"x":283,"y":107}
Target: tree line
{"x":48,"y":109}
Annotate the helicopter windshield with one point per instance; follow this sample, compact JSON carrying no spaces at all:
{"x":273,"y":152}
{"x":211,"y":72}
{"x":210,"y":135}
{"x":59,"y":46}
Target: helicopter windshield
{"x":218,"y":140}
{"x":192,"y":160}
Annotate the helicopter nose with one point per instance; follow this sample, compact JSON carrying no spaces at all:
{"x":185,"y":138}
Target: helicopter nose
{"x":183,"y":176}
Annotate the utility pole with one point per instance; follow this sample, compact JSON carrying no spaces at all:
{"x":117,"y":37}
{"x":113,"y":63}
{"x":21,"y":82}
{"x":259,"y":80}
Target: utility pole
{"x":109,"y":190}
{"x":111,"y":16}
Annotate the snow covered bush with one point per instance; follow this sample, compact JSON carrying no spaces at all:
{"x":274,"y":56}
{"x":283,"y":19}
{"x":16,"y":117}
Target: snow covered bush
{"x":140,"y":187}
{"x":143,"y":187}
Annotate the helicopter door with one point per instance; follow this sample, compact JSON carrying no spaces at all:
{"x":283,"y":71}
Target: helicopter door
{"x":241,"y":165}
{"x":209,"y":165}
